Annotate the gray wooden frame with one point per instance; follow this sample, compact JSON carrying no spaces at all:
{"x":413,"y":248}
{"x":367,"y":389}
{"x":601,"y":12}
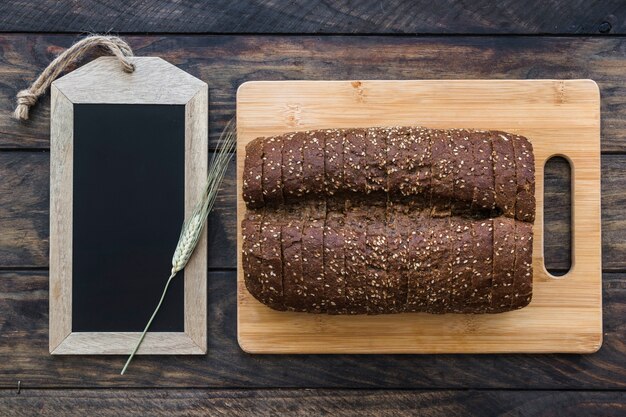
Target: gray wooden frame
{"x":154,"y":81}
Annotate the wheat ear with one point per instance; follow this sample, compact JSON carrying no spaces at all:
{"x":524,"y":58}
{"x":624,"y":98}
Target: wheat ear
{"x":193,"y":226}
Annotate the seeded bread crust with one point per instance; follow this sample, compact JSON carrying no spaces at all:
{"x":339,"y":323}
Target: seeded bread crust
{"x":503,"y":263}
{"x":292,"y":166}
{"x":355,"y":258}
{"x":271,"y":265}
{"x":253,"y":177}
{"x":504,"y":173}
{"x":389,"y":220}
{"x":313,"y":162}
{"x":525,"y":174}
{"x":251,"y":252}
{"x":334,"y":259}
{"x":313,"y":265}
{"x":272,"y":171}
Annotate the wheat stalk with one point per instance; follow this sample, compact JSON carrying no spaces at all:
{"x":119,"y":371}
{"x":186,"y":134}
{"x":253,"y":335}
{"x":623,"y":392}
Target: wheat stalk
{"x":193,"y":226}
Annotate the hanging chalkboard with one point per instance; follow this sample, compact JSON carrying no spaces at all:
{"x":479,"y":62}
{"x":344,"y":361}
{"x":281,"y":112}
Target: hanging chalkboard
{"x":128,"y":162}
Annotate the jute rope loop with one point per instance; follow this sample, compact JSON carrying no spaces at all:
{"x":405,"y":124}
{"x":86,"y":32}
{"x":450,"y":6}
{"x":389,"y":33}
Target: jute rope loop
{"x":116,"y":46}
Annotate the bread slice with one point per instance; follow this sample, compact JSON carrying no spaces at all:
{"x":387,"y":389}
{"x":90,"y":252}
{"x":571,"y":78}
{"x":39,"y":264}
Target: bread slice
{"x":313,"y":162}
{"x":314,"y":216}
{"x":442,"y":180}
{"x":295,"y":296}
{"x":504,"y":173}
{"x":354,"y":161}
{"x":523,"y":275}
{"x":292,"y":162}
{"x":420,"y":266}
{"x":397,"y":231}
{"x":484,"y":182}
{"x":463,"y":261}
{"x":253,"y":174}
{"x":355,"y":259}
{"x":272,"y":170}
{"x":440,"y":257}
{"x":525,"y":169}
{"x":334,"y":258}
{"x":333,"y":161}
{"x":376,"y":258}
{"x":503,"y":263}
{"x":251,"y":252}
{"x":482,"y":279}
{"x":272,"y":262}
{"x":462,"y":162}
{"x":375,"y":169}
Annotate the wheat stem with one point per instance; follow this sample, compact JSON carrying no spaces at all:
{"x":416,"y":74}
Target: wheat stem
{"x":192,"y":227}
{"x":156,"y":310}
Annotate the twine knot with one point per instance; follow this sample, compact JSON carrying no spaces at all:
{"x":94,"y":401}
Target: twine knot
{"x":114,"y":45}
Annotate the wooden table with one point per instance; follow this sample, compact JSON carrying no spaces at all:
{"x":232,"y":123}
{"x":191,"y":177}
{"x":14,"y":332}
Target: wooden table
{"x":226,"y":43}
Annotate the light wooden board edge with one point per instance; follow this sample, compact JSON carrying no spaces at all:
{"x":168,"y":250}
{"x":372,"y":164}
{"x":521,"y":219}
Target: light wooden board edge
{"x":117,"y":87}
{"x":586,"y":227}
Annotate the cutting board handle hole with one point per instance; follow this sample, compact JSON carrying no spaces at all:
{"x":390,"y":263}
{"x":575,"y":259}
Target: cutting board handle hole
{"x":557,"y":216}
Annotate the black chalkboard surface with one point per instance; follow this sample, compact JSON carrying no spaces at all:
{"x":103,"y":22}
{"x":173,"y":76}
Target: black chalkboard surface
{"x":128,"y":207}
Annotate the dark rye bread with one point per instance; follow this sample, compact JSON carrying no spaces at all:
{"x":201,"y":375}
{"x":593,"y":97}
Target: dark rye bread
{"x":376,"y":258}
{"x":313,"y":268}
{"x":354,"y":161}
{"x":503,"y":263}
{"x":525,"y":174}
{"x":463,"y":171}
{"x":467,"y":274}
{"x":523,"y":271}
{"x":462,"y":263}
{"x":504,"y":171}
{"x":397,"y":231}
{"x":482,"y":278}
{"x":376,"y":159}
{"x":333,"y":161}
{"x":402,"y":163}
{"x":313,"y":162}
{"x":271,"y":275}
{"x":296,"y":297}
{"x":272,"y":180}
{"x":441,"y":180}
{"x":292,"y":166}
{"x":355,"y":258}
{"x":253,"y":174}
{"x":484,"y":181}
{"x":389,"y":220}
{"x":420,"y":264}
{"x":251,"y":252}
{"x":334,"y":258}
{"x":440,"y":258}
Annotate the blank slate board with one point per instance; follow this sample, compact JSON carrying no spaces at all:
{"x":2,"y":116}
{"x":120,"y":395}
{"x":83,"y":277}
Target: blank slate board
{"x":560,"y":117}
{"x":128,"y":163}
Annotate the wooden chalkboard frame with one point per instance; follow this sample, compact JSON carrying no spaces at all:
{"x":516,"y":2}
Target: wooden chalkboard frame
{"x":102,"y":81}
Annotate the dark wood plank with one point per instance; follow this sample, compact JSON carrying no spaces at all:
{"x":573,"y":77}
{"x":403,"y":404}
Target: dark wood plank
{"x":339,"y":403}
{"x":24,"y":355}
{"x":24,"y":214}
{"x":557,"y":247}
{"x":318,"y":16}
{"x":225,"y":62}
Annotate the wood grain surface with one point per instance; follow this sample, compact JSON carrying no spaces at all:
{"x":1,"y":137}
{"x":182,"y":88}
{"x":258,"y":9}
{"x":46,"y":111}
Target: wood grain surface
{"x":559,"y":117}
{"x":317,"y":16}
{"x":224,"y":62}
{"x":299,"y":403}
{"x":24,"y":355}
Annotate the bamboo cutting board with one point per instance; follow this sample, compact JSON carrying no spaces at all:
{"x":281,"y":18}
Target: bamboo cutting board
{"x":559,"y":117}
